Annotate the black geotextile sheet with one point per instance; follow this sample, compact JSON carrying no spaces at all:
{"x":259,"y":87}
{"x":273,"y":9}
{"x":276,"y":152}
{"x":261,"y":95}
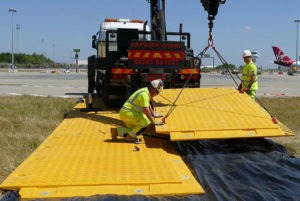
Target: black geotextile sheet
{"x":232,"y":170}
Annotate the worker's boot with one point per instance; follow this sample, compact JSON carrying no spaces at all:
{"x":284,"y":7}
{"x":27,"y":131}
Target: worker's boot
{"x":114,"y":133}
{"x":128,"y":138}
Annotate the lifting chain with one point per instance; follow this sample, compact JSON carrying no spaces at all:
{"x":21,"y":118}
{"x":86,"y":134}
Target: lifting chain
{"x":224,"y":62}
{"x":210,"y":43}
{"x":210,"y":26}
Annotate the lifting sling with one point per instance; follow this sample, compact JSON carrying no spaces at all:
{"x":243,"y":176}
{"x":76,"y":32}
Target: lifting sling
{"x":211,"y":44}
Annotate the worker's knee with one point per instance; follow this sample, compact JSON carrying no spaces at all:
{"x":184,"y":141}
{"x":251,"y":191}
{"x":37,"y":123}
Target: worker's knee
{"x":132,"y":134}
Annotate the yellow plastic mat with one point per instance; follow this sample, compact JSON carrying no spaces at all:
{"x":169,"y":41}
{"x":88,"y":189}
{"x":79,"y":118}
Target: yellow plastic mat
{"x":215,"y":113}
{"x":79,"y":159}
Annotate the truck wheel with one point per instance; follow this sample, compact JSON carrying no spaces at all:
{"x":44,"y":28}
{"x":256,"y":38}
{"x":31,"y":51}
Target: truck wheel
{"x":105,"y":93}
{"x":99,"y":91}
{"x":200,"y":81}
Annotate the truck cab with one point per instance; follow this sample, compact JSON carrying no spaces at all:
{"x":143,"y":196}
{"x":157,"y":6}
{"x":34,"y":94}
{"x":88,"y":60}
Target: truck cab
{"x":128,"y":58}
{"x":105,"y":75}
{"x":109,"y":26}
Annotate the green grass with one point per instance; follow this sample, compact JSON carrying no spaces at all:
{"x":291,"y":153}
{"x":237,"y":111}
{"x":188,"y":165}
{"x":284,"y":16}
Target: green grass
{"x":286,"y":110}
{"x":26,"y":121}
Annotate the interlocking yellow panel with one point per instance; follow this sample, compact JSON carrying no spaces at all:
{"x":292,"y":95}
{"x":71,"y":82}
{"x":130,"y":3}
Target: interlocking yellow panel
{"x":79,"y":159}
{"x":214,"y":113}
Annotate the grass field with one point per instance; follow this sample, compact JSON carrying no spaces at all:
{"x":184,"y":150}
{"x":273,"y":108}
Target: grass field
{"x":26,"y":121}
{"x":286,"y":110}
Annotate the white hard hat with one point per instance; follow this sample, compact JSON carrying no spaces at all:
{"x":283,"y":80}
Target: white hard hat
{"x":158,"y":85}
{"x":246,"y":53}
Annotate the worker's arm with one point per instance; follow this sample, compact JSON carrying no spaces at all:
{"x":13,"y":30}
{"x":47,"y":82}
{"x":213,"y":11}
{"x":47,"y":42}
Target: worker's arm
{"x":253,"y":73}
{"x":151,"y":107}
{"x":153,"y":113}
{"x":149,"y":114}
{"x":252,"y":80}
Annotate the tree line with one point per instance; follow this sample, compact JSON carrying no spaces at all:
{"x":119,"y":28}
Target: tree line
{"x":223,"y":67}
{"x":25,"y":58}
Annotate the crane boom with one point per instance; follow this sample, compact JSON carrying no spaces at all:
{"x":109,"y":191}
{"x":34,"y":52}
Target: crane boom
{"x":158,"y":19}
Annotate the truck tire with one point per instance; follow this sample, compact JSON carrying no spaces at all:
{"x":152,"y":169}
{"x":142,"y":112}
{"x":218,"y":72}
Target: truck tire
{"x":98,"y":85}
{"x":105,"y":92}
{"x":91,"y":73}
{"x":99,"y":91}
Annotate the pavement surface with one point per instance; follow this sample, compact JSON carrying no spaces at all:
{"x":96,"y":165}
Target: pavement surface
{"x":43,"y":84}
{"x":73,"y":85}
{"x":269,"y":85}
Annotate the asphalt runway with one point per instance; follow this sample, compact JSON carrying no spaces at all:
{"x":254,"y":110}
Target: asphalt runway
{"x":73,"y":85}
{"x":269,"y":84}
{"x":43,"y":84}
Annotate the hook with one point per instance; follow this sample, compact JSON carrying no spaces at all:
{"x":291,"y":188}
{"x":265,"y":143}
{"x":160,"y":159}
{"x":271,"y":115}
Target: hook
{"x":210,"y":41}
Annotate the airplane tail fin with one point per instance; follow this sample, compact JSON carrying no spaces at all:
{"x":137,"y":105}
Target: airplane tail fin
{"x":281,"y":58}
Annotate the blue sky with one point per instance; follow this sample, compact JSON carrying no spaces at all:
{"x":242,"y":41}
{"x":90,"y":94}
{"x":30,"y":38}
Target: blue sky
{"x":59,"y":26}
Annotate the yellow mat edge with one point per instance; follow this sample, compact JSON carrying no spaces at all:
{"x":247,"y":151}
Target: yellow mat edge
{"x":229,"y":134}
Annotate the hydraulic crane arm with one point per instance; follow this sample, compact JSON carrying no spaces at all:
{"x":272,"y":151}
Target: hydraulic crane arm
{"x":211,"y":6}
{"x":158,"y":19}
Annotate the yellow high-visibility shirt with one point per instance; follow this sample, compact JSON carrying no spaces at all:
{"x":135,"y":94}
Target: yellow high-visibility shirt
{"x":138,"y":100}
{"x":248,"y":71}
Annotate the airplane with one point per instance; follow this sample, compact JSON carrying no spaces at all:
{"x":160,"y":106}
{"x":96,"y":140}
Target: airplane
{"x":284,"y":60}
{"x":281,"y":58}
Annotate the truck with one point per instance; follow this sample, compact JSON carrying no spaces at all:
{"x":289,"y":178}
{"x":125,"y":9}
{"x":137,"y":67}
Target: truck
{"x":129,"y":54}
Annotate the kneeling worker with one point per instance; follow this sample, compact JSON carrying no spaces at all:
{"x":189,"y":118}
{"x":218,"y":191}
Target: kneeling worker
{"x":137,"y":113}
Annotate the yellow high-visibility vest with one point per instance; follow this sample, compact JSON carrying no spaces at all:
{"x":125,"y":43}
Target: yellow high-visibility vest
{"x":248,"y":70}
{"x":138,"y":100}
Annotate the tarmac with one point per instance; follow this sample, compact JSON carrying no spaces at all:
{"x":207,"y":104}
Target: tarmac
{"x":74,"y":85}
{"x":270,"y":85}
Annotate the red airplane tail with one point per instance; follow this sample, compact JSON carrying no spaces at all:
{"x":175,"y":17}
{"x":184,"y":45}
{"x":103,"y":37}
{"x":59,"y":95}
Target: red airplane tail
{"x":281,"y":58}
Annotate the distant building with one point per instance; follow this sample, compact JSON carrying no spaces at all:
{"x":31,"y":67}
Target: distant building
{"x":82,"y":62}
{"x":208,"y":66}
{"x":254,"y":56}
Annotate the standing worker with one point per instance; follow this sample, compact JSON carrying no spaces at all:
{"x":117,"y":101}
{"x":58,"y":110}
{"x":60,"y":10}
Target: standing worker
{"x":249,"y":82}
{"x":137,"y":112}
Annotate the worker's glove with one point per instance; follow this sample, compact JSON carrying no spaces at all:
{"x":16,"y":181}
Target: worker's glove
{"x":157,"y":115}
{"x":246,"y":89}
{"x":164,"y":120}
{"x":240,"y":87}
{"x":158,"y":123}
